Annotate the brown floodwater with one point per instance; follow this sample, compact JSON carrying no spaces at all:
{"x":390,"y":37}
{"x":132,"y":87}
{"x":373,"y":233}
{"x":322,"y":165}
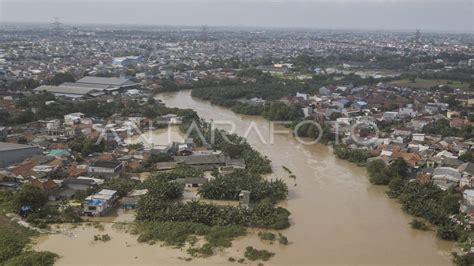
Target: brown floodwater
{"x":337,"y":216}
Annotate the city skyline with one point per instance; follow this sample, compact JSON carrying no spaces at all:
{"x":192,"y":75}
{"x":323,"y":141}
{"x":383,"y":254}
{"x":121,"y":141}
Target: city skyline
{"x":439,"y":16}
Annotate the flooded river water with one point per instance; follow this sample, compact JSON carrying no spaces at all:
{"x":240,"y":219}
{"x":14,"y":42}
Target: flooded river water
{"x":337,"y":218}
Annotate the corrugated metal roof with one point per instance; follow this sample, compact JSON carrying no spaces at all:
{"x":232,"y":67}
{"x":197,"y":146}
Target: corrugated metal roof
{"x":107,"y":81}
{"x":5,"y":146}
{"x":86,"y":85}
{"x":65,"y":89}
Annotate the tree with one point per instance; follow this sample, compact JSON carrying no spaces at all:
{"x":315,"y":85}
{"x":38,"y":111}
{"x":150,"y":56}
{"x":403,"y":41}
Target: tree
{"x":398,"y":168}
{"x":60,"y":78}
{"x":31,"y":196}
{"x":378,"y":173}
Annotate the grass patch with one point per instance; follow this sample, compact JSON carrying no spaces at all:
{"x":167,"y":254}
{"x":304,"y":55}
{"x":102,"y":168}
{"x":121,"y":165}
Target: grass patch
{"x":179,"y":233}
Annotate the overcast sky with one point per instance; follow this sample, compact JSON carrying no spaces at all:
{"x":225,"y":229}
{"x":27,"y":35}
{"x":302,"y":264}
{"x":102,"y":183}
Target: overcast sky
{"x":428,"y":15}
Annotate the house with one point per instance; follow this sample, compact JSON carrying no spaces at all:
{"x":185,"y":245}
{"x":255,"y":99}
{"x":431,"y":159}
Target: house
{"x":467,"y":203}
{"x":418,"y":137}
{"x":190,"y":182}
{"x":3,"y":133}
{"x":389,"y":116}
{"x":46,"y":185}
{"x":70,"y":186}
{"x":105,"y":169}
{"x":303,"y":96}
{"x":166,"y":165}
{"x":73,"y":118}
{"x":359,"y":105}
{"x":171,"y":119}
{"x":232,"y":165}
{"x":131,"y":200}
{"x":101,"y":203}
{"x":466,"y":169}
{"x":202,"y":161}
{"x":324,"y":91}
{"x":446,"y":177}
{"x":79,"y":184}
{"x":127,"y":60}
{"x":12,"y":153}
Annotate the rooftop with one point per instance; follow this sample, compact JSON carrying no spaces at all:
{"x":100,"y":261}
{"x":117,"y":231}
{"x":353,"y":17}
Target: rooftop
{"x":106,"y":81}
{"x":65,"y":89}
{"x":6,"y":146}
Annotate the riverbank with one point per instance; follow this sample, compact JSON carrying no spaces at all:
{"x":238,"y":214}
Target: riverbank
{"x":337,"y":215}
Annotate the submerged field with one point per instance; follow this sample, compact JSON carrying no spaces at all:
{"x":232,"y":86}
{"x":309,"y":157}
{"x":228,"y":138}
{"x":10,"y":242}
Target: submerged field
{"x":428,"y":83}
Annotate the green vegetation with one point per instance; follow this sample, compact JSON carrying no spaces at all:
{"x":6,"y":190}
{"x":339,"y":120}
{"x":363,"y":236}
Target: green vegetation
{"x":60,"y":78}
{"x":286,"y":169}
{"x":236,"y":147}
{"x":433,"y":204}
{"x":463,"y":259}
{"x":418,"y":224}
{"x":122,"y":185}
{"x":203,"y":251}
{"x":221,"y":236}
{"x":380,"y":174}
{"x":228,"y":187}
{"x":87,"y":146}
{"x":31,"y":196}
{"x":353,"y":155}
{"x":102,"y":238}
{"x":33,"y":258}
{"x":263,"y":215}
{"x":15,"y":249}
{"x":279,"y":111}
{"x":181,"y":171}
{"x":429,"y":83}
{"x":443,"y":128}
{"x":267,"y":236}
{"x":255,"y":254}
{"x":91,"y":108}
{"x":178,"y":233}
{"x":282,"y":239}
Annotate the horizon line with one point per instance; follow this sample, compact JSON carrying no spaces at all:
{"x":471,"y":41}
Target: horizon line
{"x":393,"y":30}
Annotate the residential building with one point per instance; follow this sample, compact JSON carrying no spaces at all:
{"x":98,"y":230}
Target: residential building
{"x":101,"y":203}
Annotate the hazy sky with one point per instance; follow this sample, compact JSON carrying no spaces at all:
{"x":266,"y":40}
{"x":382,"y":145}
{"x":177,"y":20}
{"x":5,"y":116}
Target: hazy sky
{"x":429,"y":15}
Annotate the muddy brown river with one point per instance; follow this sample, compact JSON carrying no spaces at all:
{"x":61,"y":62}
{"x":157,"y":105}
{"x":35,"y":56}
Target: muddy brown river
{"x":337,"y":216}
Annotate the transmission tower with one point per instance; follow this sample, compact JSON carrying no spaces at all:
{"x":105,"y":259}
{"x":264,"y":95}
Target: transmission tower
{"x":57,"y":25}
{"x":417,"y":38}
{"x":205,"y":33}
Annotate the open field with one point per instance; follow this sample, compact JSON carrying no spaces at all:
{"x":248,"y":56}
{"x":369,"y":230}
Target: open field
{"x":428,"y":83}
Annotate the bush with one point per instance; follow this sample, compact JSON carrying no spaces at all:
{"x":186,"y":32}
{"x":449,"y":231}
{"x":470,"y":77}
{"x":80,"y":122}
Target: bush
{"x":282,"y":239}
{"x":221,"y":236}
{"x":267,"y":236}
{"x":463,"y":260}
{"x":203,"y":251}
{"x":255,"y":254}
{"x":418,"y":224}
